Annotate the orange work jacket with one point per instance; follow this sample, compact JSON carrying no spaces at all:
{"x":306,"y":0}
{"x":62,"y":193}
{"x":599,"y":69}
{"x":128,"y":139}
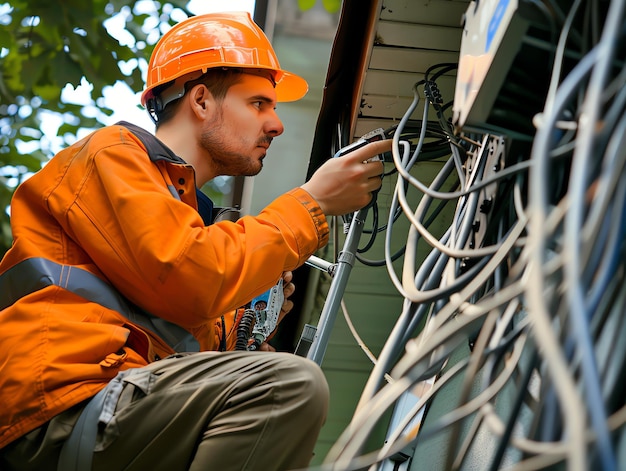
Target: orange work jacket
{"x":106,"y":224}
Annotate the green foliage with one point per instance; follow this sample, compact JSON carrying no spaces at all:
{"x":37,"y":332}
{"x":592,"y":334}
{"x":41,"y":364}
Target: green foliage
{"x":331,"y":6}
{"x":48,"y":44}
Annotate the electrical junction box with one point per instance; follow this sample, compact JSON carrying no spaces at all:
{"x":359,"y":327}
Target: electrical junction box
{"x":493,"y":31}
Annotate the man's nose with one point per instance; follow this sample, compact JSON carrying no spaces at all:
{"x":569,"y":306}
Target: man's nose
{"x":274,"y":126}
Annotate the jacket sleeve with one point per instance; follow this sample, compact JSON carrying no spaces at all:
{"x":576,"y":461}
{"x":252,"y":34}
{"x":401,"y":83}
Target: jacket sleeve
{"x":156,"y":250}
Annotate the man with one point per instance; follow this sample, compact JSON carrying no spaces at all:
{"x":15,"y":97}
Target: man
{"x":117,"y":266}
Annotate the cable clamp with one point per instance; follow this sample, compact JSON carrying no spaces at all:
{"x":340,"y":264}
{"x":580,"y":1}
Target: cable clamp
{"x":346,"y":257}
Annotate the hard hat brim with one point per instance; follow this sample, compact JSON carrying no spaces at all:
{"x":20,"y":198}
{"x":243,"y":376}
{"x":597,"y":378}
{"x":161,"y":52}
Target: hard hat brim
{"x":290,"y":87}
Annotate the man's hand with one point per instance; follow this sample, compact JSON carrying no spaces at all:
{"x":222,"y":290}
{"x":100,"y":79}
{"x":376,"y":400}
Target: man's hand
{"x":346,"y":184}
{"x":288,"y":289}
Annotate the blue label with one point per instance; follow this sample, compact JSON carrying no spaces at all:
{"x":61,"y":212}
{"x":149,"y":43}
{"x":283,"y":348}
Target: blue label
{"x":494,"y":24}
{"x":260,"y":302}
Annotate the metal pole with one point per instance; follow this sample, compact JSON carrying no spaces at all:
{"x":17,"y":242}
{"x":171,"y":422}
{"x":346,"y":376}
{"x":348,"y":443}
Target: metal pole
{"x":338,"y":284}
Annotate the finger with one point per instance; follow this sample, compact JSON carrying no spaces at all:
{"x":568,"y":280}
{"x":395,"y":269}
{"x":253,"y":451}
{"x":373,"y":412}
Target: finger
{"x":287,"y":277}
{"x":289,"y":289}
{"x":285,"y":308}
{"x":368,"y":151}
{"x":266,"y":347}
{"x":374,"y":169}
{"x":373,"y":185}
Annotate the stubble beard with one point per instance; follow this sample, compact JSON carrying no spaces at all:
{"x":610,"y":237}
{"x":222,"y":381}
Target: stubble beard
{"x":226,"y":160}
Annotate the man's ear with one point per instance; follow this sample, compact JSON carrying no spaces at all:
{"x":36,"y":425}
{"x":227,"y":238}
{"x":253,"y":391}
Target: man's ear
{"x":201,"y":101}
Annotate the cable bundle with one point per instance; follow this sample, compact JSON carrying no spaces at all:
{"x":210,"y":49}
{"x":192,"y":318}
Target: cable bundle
{"x":513,"y":334}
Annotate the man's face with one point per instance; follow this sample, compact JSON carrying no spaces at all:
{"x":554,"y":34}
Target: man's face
{"x":239,"y":132}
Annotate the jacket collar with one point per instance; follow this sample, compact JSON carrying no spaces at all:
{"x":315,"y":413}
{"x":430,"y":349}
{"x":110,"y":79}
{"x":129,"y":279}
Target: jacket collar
{"x":156,"y":149}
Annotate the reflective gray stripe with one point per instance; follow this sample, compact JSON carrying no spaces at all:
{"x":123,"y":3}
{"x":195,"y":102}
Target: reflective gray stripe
{"x":34,"y":274}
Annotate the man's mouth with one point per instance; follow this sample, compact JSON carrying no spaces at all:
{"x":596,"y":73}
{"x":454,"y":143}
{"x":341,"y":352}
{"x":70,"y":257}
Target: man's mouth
{"x":265,"y":143}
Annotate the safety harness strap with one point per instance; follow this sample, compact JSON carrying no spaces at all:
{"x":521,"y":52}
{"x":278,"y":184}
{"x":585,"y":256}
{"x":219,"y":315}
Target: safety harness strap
{"x":77,"y":451}
{"x":33,"y":274}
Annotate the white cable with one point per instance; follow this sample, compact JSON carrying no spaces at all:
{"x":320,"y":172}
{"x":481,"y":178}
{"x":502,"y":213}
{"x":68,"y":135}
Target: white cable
{"x":359,"y":340}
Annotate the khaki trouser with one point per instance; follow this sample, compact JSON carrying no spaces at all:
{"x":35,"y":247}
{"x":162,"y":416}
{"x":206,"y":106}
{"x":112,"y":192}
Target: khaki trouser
{"x":201,"y":411}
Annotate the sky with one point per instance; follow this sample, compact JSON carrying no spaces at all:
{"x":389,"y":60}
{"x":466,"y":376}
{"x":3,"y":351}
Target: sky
{"x":119,"y":97}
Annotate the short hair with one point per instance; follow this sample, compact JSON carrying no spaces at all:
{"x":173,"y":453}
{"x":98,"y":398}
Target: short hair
{"x":217,"y":80}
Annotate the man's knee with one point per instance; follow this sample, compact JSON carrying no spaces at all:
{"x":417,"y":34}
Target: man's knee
{"x":311,"y":383}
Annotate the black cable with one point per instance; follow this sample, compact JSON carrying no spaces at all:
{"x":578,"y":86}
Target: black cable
{"x":244,"y":329}
{"x":431,"y":219}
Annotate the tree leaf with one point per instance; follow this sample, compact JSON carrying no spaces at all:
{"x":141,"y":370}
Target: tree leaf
{"x":66,"y":70}
{"x":47,"y":44}
{"x":306,"y":4}
{"x":332,"y":6}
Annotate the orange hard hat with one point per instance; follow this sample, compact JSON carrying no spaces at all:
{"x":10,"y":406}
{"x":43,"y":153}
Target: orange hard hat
{"x":227,"y":39}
